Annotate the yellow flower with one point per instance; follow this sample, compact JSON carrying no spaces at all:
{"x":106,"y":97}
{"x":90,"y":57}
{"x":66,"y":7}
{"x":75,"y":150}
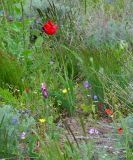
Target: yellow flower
{"x":42,"y":120}
{"x":64,"y":91}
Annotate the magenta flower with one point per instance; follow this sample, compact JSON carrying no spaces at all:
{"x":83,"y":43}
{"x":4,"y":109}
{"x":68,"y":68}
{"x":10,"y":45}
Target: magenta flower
{"x":93,"y":131}
{"x":44,"y":90}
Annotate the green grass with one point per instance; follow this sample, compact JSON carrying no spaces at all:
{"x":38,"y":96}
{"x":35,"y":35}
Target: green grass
{"x":94,"y":43}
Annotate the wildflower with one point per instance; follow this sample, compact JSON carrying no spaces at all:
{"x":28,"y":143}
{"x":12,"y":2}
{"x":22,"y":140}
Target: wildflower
{"x":10,"y":18}
{"x":49,"y":28}
{"x":29,"y":15}
{"x":95,"y":97}
{"x":110,"y":1}
{"x":120,"y":130}
{"x":123,"y":45}
{"x":42,"y":120}
{"x":108,"y":111}
{"x":51,"y":62}
{"x":19,"y":18}
{"x":37,"y":21}
{"x":88,"y":96}
{"x":44,"y":90}
{"x":86,"y":84}
{"x":27,"y":111}
{"x":96,"y":131}
{"x":93,"y":131}
{"x":64,"y":91}
{"x":14,"y":120}
{"x":23,"y":135}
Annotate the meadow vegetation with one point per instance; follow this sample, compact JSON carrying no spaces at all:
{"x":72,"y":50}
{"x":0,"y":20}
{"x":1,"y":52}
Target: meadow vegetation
{"x":66,"y":71}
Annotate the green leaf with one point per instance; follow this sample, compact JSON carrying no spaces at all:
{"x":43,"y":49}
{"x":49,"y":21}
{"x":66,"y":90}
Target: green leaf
{"x":27,"y":52}
{"x":39,"y":41}
{"x":93,"y":108}
{"x":17,"y":9}
{"x":85,"y":108}
{"x":16,"y":26}
{"x":2,"y":120}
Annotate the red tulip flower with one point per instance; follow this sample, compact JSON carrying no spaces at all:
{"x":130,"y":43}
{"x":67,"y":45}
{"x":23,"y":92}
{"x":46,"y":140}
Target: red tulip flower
{"x":49,"y":28}
{"x":120,"y":130}
{"x":108,"y":111}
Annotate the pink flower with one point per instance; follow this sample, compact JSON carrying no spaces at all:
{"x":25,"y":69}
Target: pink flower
{"x":44,"y":90}
{"x":93,"y":131}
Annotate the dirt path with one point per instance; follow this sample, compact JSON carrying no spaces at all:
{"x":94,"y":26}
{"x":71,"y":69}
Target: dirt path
{"x":105,"y":141}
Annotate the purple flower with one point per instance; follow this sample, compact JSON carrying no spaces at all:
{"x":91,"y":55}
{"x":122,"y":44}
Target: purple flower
{"x":110,"y":1}
{"x":44,"y":90}
{"x":38,"y":21}
{"x":96,"y":131}
{"x":19,"y":18}
{"x":23,"y":135}
{"x":10,"y":18}
{"x":27,"y":111}
{"x":14,"y":120}
{"x":93,"y":131}
{"x":95,"y":97}
{"x":86,"y":84}
{"x":29,"y":15}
